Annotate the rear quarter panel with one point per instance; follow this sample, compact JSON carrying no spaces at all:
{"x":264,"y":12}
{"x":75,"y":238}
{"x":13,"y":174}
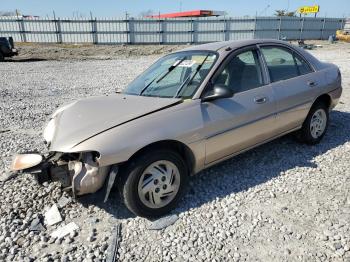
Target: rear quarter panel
{"x":331,"y":83}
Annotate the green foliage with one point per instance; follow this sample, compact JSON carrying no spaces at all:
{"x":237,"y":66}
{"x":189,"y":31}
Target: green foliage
{"x":284,"y":13}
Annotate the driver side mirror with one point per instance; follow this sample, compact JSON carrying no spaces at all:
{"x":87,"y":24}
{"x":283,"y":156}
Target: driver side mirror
{"x":218,"y":91}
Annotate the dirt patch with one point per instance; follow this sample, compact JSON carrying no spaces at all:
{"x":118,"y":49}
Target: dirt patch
{"x":28,"y":51}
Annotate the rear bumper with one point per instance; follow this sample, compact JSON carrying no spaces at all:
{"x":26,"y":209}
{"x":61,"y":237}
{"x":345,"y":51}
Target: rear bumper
{"x":12,"y":52}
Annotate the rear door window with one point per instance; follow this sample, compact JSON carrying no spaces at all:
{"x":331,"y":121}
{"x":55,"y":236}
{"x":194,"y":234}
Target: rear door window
{"x":303,"y":67}
{"x":283,"y":63}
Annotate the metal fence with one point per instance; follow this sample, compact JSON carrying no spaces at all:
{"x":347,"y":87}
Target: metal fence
{"x":166,"y":31}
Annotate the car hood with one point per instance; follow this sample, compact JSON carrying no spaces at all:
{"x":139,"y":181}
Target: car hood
{"x":86,"y":118}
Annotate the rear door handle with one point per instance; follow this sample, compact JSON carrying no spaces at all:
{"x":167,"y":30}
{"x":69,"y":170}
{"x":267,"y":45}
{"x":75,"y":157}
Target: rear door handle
{"x":311,"y":83}
{"x":260,"y":100}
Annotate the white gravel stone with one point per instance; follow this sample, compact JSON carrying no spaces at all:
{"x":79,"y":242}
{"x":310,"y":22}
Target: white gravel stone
{"x":53,"y":216}
{"x":64,"y":230}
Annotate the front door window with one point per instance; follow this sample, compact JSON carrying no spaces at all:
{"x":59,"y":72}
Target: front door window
{"x":242,"y":73}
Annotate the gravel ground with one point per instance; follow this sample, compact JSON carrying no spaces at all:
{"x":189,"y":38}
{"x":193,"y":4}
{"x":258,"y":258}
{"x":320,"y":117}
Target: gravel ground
{"x":262,"y":205}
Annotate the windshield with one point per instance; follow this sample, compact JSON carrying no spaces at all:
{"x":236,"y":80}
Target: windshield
{"x":175,"y":75}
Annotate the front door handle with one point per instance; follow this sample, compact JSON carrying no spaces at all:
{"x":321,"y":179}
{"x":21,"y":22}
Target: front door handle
{"x":260,"y":100}
{"x":311,"y":83}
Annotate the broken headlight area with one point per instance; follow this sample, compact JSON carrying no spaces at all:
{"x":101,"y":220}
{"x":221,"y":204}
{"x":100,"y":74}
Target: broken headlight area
{"x":78,"y":172}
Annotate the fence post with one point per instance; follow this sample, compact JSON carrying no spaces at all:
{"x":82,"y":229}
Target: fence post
{"x":254,"y":32}
{"x":94,"y":30}
{"x":191,"y":31}
{"x":279,"y":28}
{"x":323,"y":27}
{"x":22,"y":29}
{"x":131,"y":38}
{"x":302,"y":28}
{"x":342,"y":23}
{"x":194,"y":31}
{"x":160,"y":30}
{"x":225,"y":29}
{"x":58,"y":30}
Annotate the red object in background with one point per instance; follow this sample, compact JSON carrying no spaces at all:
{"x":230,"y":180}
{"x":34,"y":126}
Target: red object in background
{"x":194,"y":13}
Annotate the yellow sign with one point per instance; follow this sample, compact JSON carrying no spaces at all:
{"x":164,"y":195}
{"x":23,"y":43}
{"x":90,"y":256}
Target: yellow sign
{"x":309,"y":9}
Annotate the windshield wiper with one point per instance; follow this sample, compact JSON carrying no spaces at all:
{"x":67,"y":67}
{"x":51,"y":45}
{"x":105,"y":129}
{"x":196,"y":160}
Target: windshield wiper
{"x":171,"y":68}
{"x":188,"y":79}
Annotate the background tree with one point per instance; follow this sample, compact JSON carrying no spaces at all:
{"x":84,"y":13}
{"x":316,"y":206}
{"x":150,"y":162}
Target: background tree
{"x":283,"y":12}
{"x":7,"y":13}
{"x":146,"y":13}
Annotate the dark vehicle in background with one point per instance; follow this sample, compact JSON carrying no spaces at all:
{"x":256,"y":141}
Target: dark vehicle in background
{"x":7,"y":48}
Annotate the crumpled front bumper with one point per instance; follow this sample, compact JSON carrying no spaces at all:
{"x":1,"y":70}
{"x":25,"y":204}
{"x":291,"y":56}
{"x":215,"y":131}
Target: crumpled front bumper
{"x":82,"y":174}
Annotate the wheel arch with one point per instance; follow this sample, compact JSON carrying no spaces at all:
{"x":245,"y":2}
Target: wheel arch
{"x":324,"y":98}
{"x":182,"y":149}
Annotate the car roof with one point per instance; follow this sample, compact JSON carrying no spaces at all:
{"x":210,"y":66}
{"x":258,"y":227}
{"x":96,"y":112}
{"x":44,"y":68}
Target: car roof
{"x":232,"y":44}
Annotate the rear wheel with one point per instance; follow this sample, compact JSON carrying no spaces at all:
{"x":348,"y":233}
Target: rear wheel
{"x":153,"y":183}
{"x":1,"y":57}
{"x":315,"y":124}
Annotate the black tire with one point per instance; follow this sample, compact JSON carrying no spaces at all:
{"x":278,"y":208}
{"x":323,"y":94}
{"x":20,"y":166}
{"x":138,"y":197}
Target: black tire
{"x":131,"y":174}
{"x":304,"y":134}
{"x":2,"y":58}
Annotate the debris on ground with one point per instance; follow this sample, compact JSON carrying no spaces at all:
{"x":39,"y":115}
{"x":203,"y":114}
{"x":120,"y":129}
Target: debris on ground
{"x":7,"y":176}
{"x":4,"y":130}
{"x":112,"y":250}
{"x":52,"y":216}
{"x":163,"y":222}
{"x":36,"y":225}
{"x":64,"y":230}
{"x":63,"y":201}
{"x":302,"y":44}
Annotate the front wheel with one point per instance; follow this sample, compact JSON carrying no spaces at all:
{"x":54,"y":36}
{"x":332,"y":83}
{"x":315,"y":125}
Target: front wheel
{"x":153,"y":183}
{"x":315,"y":124}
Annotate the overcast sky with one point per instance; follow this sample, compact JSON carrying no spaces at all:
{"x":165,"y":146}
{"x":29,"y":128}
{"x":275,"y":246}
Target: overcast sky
{"x":117,"y":8}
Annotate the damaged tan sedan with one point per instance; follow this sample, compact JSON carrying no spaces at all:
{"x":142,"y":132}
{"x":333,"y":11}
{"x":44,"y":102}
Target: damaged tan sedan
{"x":190,"y":110}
